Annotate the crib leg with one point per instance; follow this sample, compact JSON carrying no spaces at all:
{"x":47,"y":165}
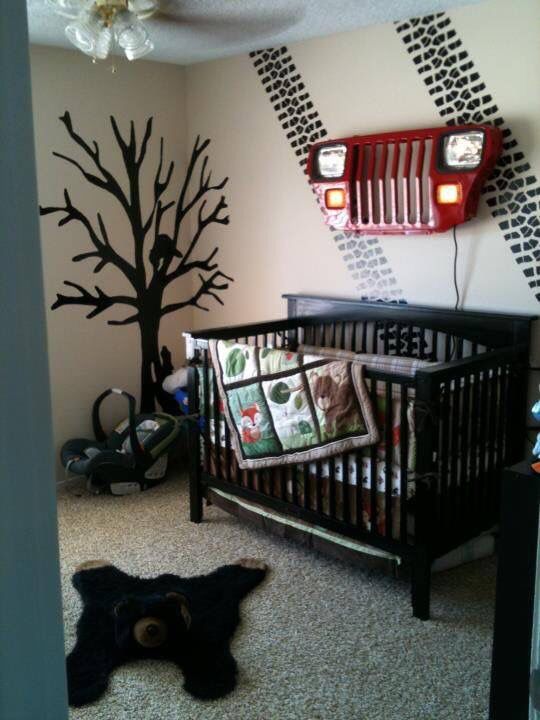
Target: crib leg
{"x":195,"y":489}
{"x":421,"y":584}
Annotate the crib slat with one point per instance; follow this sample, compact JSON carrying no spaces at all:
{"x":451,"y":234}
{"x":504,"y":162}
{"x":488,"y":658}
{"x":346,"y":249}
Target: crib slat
{"x":410,"y":336}
{"x":373,"y":465}
{"x":332,"y":488}
{"x":283,"y":483}
{"x":454,"y":505}
{"x":447,"y":347}
{"x":306,"y":486}
{"x":500,"y":424}
{"x":421,"y":344}
{"x":353,"y":336}
{"x":505,"y":385}
{"x":359,"y":488}
{"x":206,"y":402}
{"x":386,"y":338}
{"x":403,"y":463}
{"x":434,"y":345}
{"x":364,"y":336}
{"x":483,"y":420}
{"x":294,"y":473}
{"x":492,"y":438}
{"x":388,"y":451}
{"x":374,"y":338}
{"x":345,"y":489}
{"x":473,"y":475}
{"x":443,"y":455}
{"x":398,"y":339}
{"x":228,"y":469}
{"x":465,"y":449}
{"x":318,"y":491}
{"x":217,"y":438}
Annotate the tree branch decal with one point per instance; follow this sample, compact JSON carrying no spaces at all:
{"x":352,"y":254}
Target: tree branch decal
{"x":159,"y":258}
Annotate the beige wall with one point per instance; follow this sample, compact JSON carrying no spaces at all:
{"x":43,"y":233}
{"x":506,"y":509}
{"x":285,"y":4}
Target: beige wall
{"x":87,"y":356}
{"x":361,"y":81}
{"x":276,"y":243}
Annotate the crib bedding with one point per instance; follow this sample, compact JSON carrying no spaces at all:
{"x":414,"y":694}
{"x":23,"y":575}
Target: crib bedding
{"x":380,"y":417}
{"x":283,"y":407}
{"x":393,"y":364}
{"x":319,"y":473}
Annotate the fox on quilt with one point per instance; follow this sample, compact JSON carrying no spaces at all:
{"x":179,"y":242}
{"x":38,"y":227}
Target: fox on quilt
{"x":284,"y":407}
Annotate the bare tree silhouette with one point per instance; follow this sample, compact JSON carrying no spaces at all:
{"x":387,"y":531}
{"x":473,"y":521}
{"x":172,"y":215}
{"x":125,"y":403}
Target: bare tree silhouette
{"x":170,"y":257}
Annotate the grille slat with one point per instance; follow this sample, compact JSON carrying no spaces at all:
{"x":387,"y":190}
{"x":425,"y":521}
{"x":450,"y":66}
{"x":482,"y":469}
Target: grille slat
{"x":369,"y":177}
{"x":392,"y":183}
{"x":394,"y":189}
{"x":405,"y":182}
{"x":418,"y":180}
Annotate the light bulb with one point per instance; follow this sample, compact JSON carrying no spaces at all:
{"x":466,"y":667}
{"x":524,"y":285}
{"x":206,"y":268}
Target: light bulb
{"x":104,"y":44}
{"x":131,"y":35}
{"x":143,"y":8}
{"x":85,"y":32}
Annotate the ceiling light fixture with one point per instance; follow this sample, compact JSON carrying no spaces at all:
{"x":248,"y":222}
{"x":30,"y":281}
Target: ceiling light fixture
{"x":98,"y":26}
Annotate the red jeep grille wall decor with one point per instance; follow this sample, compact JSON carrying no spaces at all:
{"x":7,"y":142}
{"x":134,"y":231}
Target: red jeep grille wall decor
{"x":414,"y":181}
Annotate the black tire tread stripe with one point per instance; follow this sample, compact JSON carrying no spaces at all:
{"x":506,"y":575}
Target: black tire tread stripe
{"x":301,"y":122}
{"x":512,"y":192}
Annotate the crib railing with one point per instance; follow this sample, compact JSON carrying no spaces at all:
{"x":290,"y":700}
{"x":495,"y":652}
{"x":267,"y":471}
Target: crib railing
{"x":464,"y":410}
{"x":472,"y":426}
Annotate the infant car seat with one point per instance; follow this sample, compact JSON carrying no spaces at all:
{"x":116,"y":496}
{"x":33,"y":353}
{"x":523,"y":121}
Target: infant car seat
{"x":134,"y":457}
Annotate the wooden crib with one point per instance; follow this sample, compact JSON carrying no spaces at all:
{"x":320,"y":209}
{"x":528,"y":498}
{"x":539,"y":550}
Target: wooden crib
{"x":432,"y":482}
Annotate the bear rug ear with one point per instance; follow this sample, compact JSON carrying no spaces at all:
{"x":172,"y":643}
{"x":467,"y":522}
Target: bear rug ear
{"x":182,"y":603}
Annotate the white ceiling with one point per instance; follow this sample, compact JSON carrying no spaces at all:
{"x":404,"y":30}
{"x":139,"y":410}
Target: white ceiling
{"x":188,"y":31}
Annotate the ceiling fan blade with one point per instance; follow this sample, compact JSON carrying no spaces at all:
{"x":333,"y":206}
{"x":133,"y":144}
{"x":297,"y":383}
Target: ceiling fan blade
{"x":234,"y":25}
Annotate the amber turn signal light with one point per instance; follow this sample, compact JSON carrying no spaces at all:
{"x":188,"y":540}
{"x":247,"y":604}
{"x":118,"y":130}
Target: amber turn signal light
{"x":335,"y":199}
{"x":449,"y":194}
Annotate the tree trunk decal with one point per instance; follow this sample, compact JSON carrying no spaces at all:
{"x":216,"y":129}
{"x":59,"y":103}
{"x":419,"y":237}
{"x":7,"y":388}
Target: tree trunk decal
{"x":170,"y":257}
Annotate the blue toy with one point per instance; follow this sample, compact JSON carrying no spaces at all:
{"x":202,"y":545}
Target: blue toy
{"x":535,"y":411}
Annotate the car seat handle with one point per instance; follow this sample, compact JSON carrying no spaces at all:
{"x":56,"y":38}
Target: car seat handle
{"x":99,"y":433}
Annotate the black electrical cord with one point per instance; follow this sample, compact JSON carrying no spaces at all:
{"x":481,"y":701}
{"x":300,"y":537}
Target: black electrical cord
{"x":456,"y":250}
{"x":453,"y":345}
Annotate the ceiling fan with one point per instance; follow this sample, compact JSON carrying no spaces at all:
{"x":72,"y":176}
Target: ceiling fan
{"x":98,"y":27}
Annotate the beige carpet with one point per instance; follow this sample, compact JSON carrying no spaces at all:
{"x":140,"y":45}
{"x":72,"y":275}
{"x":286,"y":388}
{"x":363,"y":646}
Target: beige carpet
{"x":319,"y":640}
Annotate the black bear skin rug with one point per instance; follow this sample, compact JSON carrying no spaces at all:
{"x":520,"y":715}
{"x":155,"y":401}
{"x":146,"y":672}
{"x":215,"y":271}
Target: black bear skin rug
{"x":189,"y":621}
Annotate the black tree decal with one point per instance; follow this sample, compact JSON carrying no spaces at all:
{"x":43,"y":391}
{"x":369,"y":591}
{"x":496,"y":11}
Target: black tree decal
{"x":170,"y":256}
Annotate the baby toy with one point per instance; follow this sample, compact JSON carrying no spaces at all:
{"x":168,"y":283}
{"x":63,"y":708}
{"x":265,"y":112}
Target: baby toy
{"x":189,"y":621}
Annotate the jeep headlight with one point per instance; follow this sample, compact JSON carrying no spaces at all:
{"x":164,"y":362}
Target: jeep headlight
{"x":463,"y":150}
{"x":331,"y":161}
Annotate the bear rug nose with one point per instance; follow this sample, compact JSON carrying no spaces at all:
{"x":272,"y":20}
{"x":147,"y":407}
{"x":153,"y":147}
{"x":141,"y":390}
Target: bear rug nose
{"x":150,"y":632}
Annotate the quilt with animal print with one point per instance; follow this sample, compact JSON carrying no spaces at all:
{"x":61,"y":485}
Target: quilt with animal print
{"x":283,"y":407}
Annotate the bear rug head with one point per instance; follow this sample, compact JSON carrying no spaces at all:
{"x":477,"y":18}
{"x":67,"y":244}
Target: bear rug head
{"x":189,"y":621}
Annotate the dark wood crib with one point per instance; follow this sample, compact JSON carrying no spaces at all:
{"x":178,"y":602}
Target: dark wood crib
{"x":468,"y":408}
